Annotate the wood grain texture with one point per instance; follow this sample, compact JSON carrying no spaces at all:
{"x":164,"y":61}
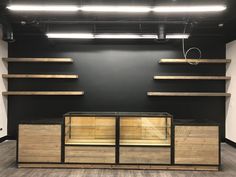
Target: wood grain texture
{"x":9,"y":168}
{"x":197,"y":145}
{"x":39,"y":143}
{"x":54,"y":60}
{"x":193,"y":94}
{"x":89,"y":154}
{"x":192,"y":77}
{"x":201,"y":61}
{"x":38,"y":93}
{"x":145,"y":155}
{"x":40,"y":76}
{"x":124,"y":167}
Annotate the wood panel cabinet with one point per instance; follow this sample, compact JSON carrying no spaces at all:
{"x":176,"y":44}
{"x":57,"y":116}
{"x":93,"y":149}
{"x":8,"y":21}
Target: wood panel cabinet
{"x":197,"y":145}
{"x":39,"y":143}
{"x":120,"y":140}
{"x":145,"y":155}
{"x":89,"y":154}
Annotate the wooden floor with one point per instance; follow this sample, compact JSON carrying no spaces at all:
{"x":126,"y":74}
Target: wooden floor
{"x":8,"y":168}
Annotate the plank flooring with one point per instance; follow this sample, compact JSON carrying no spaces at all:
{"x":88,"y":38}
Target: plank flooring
{"x":8,"y":168}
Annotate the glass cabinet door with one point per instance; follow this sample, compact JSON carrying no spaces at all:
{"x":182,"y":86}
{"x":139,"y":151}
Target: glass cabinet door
{"x":90,"y":130}
{"x":145,"y":131}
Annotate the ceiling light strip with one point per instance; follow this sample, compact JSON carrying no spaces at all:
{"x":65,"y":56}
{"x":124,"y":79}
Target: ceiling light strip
{"x":189,"y":9}
{"x":112,"y":36}
{"x":126,"y":9}
{"x":44,"y":8}
{"x":130,"y":9}
{"x":70,"y":35}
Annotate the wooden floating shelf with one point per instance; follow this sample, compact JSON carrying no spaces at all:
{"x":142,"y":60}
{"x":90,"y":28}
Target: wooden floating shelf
{"x":43,"y":93}
{"x":49,"y":60}
{"x":200,"y":94}
{"x":202,"y":61}
{"x":192,"y":77}
{"x":90,"y":142}
{"x":39,"y":76}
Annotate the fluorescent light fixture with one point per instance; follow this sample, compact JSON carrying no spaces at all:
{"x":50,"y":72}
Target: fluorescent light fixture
{"x":45,"y":8}
{"x":124,"y":36}
{"x":177,"y":36}
{"x":189,"y":9}
{"x":129,"y":9}
{"x":70,"y":35}
{"x":112,"y":36}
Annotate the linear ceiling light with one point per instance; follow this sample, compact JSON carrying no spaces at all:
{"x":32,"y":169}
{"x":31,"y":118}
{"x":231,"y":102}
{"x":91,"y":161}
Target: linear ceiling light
{"x":189,"y":9}
{"x":45,"y":8}
{"x":125,"y":36}
{"x":70,"y":35}
{"x":177,"y":36}
{"x":130,"y":9}
{"x":112,"y":36}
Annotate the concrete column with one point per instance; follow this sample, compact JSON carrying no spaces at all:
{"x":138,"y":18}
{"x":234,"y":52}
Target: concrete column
{"x":230,"y":127}
{"x":3,"y":86}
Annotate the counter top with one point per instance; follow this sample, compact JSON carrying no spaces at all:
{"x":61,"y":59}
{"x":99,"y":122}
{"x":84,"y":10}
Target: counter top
{"x":152,"y":114}
{"x":194,"y":122}
{"x":58,"y":120}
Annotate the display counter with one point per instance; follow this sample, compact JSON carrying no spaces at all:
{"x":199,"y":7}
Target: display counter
{"x":119,"y":140}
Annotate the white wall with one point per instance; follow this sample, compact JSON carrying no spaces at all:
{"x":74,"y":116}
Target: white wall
{"x":3,"y":87}
{"x":231,"y":88}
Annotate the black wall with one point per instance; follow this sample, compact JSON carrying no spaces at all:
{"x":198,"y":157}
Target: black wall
{"x":115,"y":77}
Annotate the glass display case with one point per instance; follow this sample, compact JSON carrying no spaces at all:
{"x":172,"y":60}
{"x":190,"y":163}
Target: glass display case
{"x":98,"y":130}
{"x":145,"y":131}
{"x":82,"y":130}
{"x":124,"y":138}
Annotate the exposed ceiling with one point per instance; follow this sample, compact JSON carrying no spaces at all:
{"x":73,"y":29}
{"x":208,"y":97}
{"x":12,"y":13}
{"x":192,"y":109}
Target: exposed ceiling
{"x":198,"y":24}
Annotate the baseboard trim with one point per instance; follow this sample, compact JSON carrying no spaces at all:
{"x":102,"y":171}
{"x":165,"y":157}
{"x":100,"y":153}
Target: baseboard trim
{"x":11,"y":138}
{"x":123,"y":167}
{"x":231,"y":143}
{"x":3,"y":139}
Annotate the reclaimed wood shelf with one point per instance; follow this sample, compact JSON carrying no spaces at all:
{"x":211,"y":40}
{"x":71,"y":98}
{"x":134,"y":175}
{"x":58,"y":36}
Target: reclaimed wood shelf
{"x":192,"y":77}
{"x":49,"y":60}
{"x":200,"y":61}
{"x":185,"y":94}
{"x":145,"y":143}
{"x":40,"y":76}
{"x":43,"y":93}
{"x":90,"y":142}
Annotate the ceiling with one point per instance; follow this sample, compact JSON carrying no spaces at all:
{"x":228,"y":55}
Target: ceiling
{"x":198,"y":25}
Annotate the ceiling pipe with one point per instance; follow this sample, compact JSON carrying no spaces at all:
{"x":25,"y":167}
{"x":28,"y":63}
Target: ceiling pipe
{"x":108,"y":22}
{"x":7,"y":31}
